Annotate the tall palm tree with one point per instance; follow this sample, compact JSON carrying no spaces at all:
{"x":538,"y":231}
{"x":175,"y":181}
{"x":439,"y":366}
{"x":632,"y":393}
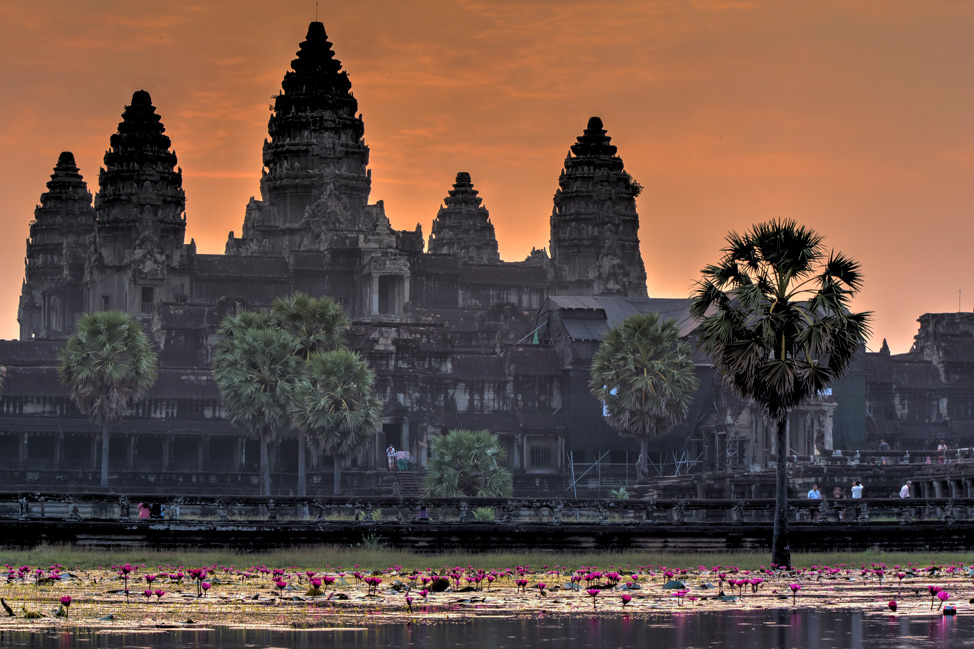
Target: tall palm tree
{"x":255,"y":367}
{"x":643,"y":374}
{"x":107,"y":364}
{"x":467,"y":463}
{"x":318,"y":324}
{"x":335,"y":405}
{"x":774,"y":316}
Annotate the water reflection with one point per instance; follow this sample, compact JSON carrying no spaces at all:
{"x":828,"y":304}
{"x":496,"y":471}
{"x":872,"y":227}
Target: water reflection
{"x":779,"y":628}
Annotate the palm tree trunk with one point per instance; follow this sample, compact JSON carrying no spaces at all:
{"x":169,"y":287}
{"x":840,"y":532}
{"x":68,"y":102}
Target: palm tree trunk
{"x":265,"y":467}
{"x":780,"y":546}
{"x":643,"y":476}
{"x":338,"y":476}
{"x":104,"y":456}
{"x":302,"y":475}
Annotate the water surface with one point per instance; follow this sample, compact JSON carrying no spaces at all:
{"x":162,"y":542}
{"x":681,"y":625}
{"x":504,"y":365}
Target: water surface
{"x":753,"y":629}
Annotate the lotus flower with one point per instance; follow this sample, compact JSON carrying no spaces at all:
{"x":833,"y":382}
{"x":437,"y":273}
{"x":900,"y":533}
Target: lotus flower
{"x":625,"y":599}
{"x":943,"y":596}
{"x":892,"y":605}
{"x":593,"y":593}
{"x":794,"y":592}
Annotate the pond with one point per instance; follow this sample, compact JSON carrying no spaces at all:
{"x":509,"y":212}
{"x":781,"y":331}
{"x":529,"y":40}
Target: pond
{"x":778,"y":628}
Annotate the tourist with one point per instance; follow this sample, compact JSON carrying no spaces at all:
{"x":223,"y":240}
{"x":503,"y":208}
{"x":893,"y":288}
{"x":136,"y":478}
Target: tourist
{"x":145,"y":510}
{"x":856,"y":489}
{"x":391,"y":457}
{"x":905,"y":490}
{"x":883,"y":446}
{"x":814,"y":493}
{"x":942,"y":450}
{"x":837,"y":493}
{"x":402,"y":460}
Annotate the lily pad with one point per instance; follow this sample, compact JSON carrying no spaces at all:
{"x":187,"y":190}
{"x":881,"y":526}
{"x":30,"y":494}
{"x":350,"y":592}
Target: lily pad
{"x":674,"y":585}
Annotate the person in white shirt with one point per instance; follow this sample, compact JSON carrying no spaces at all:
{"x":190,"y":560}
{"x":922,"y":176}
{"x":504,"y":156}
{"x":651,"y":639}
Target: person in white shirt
{"x":905,"y":490}
{"x":814,"y":493}
{"x":856,"y":489}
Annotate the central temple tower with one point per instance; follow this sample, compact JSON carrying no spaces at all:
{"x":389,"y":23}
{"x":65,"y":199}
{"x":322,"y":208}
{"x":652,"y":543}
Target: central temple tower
{"x":315,"y":183}
{"x":594,"y":224}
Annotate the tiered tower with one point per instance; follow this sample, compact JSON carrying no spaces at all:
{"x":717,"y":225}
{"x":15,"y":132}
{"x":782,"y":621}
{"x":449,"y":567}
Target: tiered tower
{"x":140,"y":215}
{"x":315,"y":184}
{"x":52,"y":296}
{"x":462,"y":226}
{"x":594,"y":224}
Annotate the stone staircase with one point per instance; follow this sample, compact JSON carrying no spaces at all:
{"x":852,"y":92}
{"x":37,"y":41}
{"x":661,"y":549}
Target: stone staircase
{"x":410,"y":483}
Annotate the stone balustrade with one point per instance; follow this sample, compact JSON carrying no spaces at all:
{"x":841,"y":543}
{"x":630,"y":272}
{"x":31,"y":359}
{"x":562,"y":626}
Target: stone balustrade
{"x":284,"y":511}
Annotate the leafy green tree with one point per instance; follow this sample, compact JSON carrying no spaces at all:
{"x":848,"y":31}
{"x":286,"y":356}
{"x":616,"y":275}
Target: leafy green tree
{"x":107,"y":365}
{"x":256,"y":369}
{"x":643,"y":374}
{"x":334,"y":403}
{"x":318,"y":324}
{"x":466,"y":463}
{"x":774,"y":316}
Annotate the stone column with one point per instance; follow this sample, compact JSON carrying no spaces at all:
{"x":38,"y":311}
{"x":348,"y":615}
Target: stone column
{"x":518,"y":459}
{"x":202,"y":452}
{"x":404,"y":435}
{"x":58,"y":451}
{"x":167,"y":446}
{"x":95,"y":444}
{"x":130,"y":454}
{"x":375,"y":295}
{"x":240,"y":454}
{"x":22,"y":451}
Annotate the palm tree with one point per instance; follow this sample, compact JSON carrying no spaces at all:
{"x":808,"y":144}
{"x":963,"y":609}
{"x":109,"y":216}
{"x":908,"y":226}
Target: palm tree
{"x":107,"y":364}
{"x":318,"y":324}
{"x":335,"y":405}
{"x":465,"y":463}
{"x":255,"y":367}
{"x":643,"y":374}
{"x":774,"y":317}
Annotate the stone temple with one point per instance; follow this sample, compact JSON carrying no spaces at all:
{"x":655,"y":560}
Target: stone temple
{"x":458,"y":337}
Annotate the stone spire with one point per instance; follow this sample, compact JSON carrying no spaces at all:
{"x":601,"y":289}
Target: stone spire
{"x":462,"y":227}
{"x":52,"y":294}
{"x":140,"y":195}
{"x":594,"y":224}
{"x":315,"y":179}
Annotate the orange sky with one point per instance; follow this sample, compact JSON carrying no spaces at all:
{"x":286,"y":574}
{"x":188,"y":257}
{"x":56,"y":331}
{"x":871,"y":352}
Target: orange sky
{"x":853,"y":118}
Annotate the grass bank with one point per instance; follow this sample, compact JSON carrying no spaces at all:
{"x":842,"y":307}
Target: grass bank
{"x":381,"y":558}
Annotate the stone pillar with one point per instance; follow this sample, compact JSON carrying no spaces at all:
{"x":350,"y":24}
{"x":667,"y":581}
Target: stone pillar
{"x":58,"y":451}
{"x":375,"y":295}
{"x":22,"y":451}
{"x":130,"y":453}
{"x":937,"y":489}
{"x":167,"y":446}
{"x":95,"y":444}
{"x":202,"y":452}
{"x":240,"y":454}
{"x":518,"y":459}
{"x":404,"y":436}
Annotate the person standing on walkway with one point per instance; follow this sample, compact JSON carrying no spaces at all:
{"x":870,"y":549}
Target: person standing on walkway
{"x":391,"y":457}
{"x":814,"y":493}
{"x":883,"y":446}
{"x":905,"y":490}
{"x":856,"y":489}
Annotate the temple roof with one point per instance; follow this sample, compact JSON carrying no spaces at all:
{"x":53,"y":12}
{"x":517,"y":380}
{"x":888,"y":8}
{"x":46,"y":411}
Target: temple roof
{"x":594,"y":141}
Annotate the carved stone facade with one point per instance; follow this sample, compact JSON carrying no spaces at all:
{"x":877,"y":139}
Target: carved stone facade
{"x":458,"y":338}
{"x":462,"y":227}
{"x":594,"y":225}
{"x":52,"y":296}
